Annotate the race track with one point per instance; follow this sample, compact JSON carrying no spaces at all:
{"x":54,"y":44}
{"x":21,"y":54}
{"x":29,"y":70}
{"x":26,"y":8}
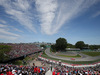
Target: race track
{"x":82,"y":58}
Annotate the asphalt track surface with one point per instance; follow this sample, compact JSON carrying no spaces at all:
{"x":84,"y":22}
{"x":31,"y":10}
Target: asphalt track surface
{"x":82,"y":58}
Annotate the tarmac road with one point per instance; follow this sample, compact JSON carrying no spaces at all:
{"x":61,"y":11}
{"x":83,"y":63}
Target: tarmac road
{"x":82,"y":58}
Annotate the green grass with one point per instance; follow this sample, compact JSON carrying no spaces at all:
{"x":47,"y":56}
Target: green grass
{"x":70,"y":62}
{"x":92,"y":53}
{"x":26,"y":58}
{"x":18,"y":62}
{"x":76,"y":56}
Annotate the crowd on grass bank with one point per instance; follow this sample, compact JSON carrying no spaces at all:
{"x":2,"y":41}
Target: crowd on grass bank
{"x":18,"y":50}
{"x":22,"y":70}
{"x":63,"y":70}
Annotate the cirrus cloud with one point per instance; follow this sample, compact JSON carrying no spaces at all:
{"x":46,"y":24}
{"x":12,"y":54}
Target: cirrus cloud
{"x":19,"y":10}
{"x":53,"y":14}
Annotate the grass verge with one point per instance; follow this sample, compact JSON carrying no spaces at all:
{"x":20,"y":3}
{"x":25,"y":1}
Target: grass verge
{"x":76,"y":56}
{"x":92,"y":53}
{"x":70,"y":62}
{"x":17,"y":62}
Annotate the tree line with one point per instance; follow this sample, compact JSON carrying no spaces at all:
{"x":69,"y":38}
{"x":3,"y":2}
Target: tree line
{"x":4,"y":49}
{"x":62,"y":44}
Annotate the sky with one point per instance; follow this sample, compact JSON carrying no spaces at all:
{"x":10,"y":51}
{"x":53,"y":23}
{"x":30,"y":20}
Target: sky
{"x":28,"y":21}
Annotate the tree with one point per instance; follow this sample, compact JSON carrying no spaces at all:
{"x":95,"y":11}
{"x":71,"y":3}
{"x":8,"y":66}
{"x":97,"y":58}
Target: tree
{"x":79,"y":44}
{"x":61,"y":44}
{"x":53,"y":48}
{"x":86,"y":45}
{"x":4,"y":49}
{"x":70,"y":45}
{"x":94,"y":47}
{"x":44,"y":46}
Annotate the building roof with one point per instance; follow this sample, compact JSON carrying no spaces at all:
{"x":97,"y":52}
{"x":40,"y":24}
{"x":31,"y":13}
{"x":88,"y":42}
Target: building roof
{"x":72,"y":49}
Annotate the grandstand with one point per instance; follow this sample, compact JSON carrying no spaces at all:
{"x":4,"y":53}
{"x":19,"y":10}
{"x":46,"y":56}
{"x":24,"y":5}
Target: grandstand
{"x":76,"y":71}
{"x":21,"y":70}
{"x":22,"y":50}
{"x":19,"y":50}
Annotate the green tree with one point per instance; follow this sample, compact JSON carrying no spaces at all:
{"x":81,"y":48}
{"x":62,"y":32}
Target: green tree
{"x":61,"y":44}
{"x":70,"y":45}
{"x":80,"y":44}
{"x":53,"y":48}
{"x":94,"y":47}
{"x":4,"y":49}
{"x":86,"y":45}
{"x":44,"y":46}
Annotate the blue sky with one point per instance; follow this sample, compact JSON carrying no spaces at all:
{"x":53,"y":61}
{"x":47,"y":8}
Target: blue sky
{"x":47,"y":20}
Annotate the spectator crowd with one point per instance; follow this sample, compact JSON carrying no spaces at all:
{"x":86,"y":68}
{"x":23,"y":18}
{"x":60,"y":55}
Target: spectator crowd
{"x":22,"y":70}
{"x":18,"y":50}
{"x":61,"y":69}
{"x":64,"y":70}
{"x":58,"y":70}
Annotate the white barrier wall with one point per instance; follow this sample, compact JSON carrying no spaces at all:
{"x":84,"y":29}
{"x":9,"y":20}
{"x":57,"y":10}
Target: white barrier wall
{"x":70,"y":65}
